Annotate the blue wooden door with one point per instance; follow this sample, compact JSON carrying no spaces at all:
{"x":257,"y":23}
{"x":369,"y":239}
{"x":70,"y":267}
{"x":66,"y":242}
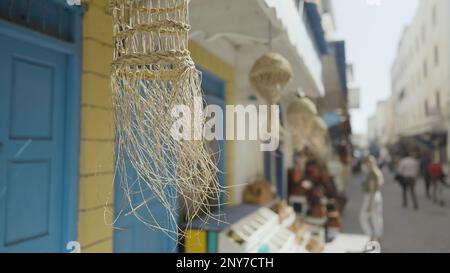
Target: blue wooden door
{"x":133,"y":236}
{"x":32,"y":104}
{"x":135,"y":230}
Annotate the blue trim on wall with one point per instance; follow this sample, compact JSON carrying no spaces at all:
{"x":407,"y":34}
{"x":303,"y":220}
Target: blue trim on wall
{"x":338,"y":48}
{"x":279,"y":158}
{"x":72,"y":118}
{"x":281,"y":189}
{"x":342,"y":64}
{"x":214,"y":84}
{"x":268,"y":166}
{"x":315,"y":21}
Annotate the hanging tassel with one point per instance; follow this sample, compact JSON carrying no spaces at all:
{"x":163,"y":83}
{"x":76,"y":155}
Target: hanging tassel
{"x":152,"y":72}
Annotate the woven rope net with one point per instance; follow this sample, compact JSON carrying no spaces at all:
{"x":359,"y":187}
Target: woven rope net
{"x":152,"y":71}
{"x":270,"y":74}
{"x":319,"y":139}
{"x":301,"y":114}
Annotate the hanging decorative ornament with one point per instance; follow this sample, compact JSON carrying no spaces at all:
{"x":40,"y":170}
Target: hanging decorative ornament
{"x":269,"y":76}
{"x":152,"y":72}
{"x":319,"y":136}
{"x":301,"y":114}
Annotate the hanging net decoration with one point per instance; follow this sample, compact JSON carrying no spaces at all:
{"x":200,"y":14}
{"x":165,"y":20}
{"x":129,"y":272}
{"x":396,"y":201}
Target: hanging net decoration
{"x":318,"y":137}
{"x":152,"y":71}
{"x":269,"y":76}
{"x":301,"y":114}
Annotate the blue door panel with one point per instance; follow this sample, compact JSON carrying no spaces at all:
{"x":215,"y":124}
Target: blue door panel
{"x":22,"y":204}
{"x":31,"y":109}
{"x":131,"y":235}
{"x":32,"y":92}
{"x":124,"y":239}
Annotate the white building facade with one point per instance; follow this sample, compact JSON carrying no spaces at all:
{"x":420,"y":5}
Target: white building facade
{"x":420,"y":74}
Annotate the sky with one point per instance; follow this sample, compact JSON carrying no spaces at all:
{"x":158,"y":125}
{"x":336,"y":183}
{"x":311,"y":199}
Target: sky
{"x":372,"y":30}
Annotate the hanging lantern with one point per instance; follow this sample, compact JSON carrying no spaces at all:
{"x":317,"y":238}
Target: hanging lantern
{"x":152,"y":72}
{"x":301,"y":114}
{"x":269,"y":76}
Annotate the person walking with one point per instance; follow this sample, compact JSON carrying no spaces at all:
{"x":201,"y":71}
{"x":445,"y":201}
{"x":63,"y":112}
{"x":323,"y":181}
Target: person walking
{"x":437,"y":181}
{"x":371,"y":214}
{"x":408,"y":169}
{"x":424,"y":169}
{"x":346,"y":169}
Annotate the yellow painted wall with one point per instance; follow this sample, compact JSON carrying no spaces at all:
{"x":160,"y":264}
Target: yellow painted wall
{"x":196,"y":241}
{"x":225,"y":71}
{"x":97,"y":133}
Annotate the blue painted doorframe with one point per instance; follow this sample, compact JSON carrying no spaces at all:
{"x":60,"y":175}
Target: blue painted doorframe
{"x":214,"y":93}
{"x":281,"y":190}
{"x":27,"y":50}
{"x":277,"y":158}
{"x":271,"y":158}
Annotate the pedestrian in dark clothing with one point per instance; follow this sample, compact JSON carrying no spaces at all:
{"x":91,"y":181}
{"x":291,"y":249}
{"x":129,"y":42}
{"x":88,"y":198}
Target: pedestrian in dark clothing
{"x":437,"y":181}
{"x":424,"y":163}
{"x":408,"y":168}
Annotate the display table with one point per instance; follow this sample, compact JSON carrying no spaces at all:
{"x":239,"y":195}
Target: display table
{"x":202,"y":236}
{"x":242,"y":229}
{"x":252,"y":228}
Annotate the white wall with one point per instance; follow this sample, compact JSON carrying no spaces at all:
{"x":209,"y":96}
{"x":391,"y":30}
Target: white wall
{"x":416,"y":48}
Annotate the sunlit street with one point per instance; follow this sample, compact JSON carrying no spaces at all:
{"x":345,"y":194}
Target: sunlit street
{"x":405,"y":229}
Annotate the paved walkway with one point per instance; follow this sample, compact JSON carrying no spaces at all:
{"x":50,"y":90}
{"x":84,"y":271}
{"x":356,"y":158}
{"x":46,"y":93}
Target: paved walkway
{"x":427,"y":230}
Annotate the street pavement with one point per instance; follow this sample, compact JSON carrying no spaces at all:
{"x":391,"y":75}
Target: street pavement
{"x":405,"y":230}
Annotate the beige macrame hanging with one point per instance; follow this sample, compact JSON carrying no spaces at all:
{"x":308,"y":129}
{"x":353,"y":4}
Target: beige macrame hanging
{"x":269,"y":76}
{"x":301,"y":114}
{"x":152,"y":72}
{"x":318,"y":137}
